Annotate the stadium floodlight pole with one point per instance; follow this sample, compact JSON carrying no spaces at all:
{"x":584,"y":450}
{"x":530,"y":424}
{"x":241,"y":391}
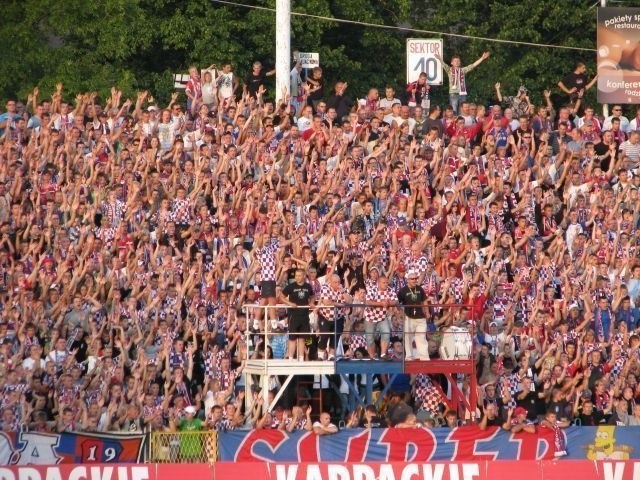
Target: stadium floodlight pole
{"x":283,"y":46}
{"x":605,"y":106}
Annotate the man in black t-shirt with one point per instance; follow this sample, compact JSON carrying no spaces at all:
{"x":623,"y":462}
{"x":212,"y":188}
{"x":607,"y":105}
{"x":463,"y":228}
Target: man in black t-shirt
{"x":576,"y":82}
{"x":371,"y":419}
{"x":412,"y":297}
{"x":298,"y":294}
{"x":257,"y":78}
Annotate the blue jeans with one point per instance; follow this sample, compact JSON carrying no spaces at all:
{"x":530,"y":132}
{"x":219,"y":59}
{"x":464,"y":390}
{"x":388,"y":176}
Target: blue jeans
{"x":455,"y":99}
{"x":382,"y":327}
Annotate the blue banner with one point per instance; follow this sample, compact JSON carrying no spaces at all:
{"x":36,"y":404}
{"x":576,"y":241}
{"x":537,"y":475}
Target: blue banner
{"x":420,"y":444}
{"x":35,"y":448}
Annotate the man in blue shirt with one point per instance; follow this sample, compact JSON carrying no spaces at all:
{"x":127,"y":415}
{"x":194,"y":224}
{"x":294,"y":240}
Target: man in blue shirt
{"x":627,"y":314}
{"x":7,"y":118}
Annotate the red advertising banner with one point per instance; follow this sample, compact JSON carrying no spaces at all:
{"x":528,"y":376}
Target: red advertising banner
{"x":522,"y":470}
{"x":561,"y":469}
{"x":152,"y":471}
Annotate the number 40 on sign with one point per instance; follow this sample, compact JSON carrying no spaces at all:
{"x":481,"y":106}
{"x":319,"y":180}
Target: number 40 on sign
{"x":421,"y":57}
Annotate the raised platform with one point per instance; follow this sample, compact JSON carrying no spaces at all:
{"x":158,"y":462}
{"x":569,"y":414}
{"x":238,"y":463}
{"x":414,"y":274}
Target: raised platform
{"x":289,"y":367}
{"x":438,"y":366}
{"x":367,"y":368}
{"x":359,"y":367}
{"x":349,"y":367}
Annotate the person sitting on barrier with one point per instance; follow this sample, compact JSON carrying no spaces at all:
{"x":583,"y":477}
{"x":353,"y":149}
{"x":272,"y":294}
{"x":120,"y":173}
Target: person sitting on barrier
{"x":517,"y":421}
{"x":214,"y":420}
{"x":367,"y":418}
{"x":552,"y":422}
{"x":299,"y":419}
{"x":490,"y":417}
{"x":410,"y":422}
{"x":324,"y":426}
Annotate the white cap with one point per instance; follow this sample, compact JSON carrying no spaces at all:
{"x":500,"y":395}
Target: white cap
{"x":412,"y":273}
{"x":190,"y":409}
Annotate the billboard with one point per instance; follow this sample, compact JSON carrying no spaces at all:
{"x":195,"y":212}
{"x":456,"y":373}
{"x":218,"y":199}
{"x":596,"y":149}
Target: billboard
{"x":421,"y":57}
{"x":618,"y":55}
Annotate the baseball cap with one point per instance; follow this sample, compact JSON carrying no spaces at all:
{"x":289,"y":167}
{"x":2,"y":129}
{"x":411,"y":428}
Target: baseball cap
{"x":190,"y":409}
{"x":519,"y":411}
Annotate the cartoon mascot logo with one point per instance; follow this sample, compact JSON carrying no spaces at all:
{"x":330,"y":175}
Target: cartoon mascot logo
{"x":604,"y":446}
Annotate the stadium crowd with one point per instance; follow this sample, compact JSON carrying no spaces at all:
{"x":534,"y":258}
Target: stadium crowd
{"x":132,"y":234}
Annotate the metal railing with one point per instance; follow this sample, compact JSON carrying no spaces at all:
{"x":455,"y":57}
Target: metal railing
{"x":272,"y":326}
{"x":192,"y":446}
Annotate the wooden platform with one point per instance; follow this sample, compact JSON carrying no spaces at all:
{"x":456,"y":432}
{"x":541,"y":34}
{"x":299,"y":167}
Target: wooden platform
{"x":289,"y":367}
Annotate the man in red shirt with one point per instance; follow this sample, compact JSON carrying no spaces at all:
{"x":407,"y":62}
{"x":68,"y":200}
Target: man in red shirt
{"x":475,"y":301}
{"x":458,"y":128}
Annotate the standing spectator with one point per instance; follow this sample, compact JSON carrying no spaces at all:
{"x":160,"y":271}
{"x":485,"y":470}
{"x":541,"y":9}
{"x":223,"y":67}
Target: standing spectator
{"x":576,"y":83}
{"x":389,"y":100}
{"x":314,"y":86}
{"x":298,"y":294}
{"x":193,"y":90}
{"x":255,"y":80}
{"x":378,"y":300}
{"x":457,"y":79}
{"x":616,"y":114}
{"x":520,"y":103}
{"x":419,"y":92}
{"x":412,"y":298}
{"x":340,"y":101}
{"x":332,"y":295}
{"x":227,"y":84}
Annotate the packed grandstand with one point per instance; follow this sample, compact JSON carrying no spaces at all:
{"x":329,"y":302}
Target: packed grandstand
{"x":148,"y":251}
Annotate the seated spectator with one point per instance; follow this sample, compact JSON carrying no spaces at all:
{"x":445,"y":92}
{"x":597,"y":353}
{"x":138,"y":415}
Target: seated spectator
{"x":517,"y":421}
{"x":324,"y":426}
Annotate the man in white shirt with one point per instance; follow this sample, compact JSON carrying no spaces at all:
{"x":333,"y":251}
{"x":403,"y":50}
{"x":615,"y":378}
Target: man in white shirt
{"x":617,"y":113}
{"x":305,"y":119}
{"x":324,"y":425}
{"x":34,"y":361}
{"x":635,"y":123}
{"x":395,"y":115}
{"x":631,"y":148}
{"x":389,"y":100}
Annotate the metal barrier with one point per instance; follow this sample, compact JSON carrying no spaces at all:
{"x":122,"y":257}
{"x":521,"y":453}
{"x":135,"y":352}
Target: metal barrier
{"x":193,"y":446}
{"x":452,"y":350}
